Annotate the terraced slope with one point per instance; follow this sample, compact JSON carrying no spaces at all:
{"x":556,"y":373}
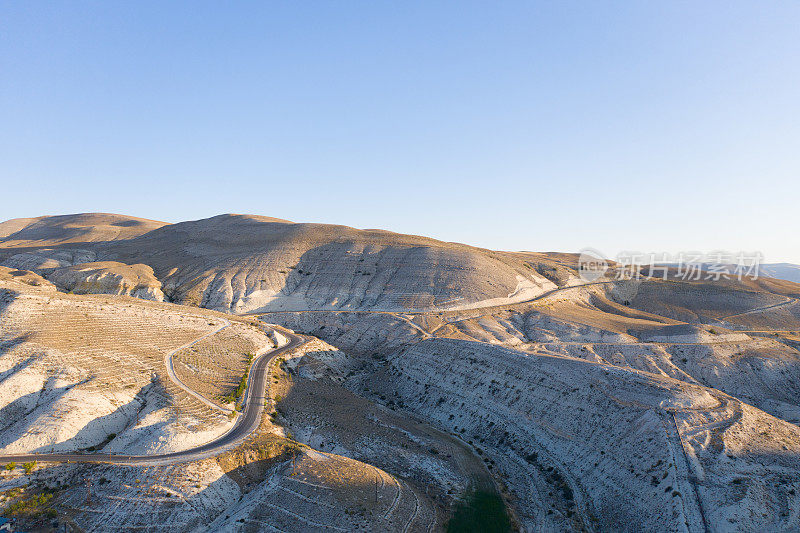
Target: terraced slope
{"x":76,"y":370}
{"x":588,"y":407}
{"x":86,"y":373}
{"x":613,"y":406}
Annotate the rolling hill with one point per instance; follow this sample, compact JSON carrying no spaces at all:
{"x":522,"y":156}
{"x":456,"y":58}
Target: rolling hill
{"x":429,"y":378}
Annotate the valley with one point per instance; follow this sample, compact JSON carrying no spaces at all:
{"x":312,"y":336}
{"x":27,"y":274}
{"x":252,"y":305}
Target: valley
{"x":244,"y":373}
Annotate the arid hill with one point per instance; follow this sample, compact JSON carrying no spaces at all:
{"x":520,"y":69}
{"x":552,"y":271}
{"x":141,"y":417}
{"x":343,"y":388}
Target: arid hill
{"x":60,"y":230}
{"x":244,"y":263}
{"x":438,"y":383}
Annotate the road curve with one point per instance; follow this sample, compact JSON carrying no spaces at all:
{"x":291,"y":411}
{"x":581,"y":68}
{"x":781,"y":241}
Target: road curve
{"x":245,"y":425}
{"x":433,"y":311}
{"x":175,"y":379}
{"x":255,"y":395}
{"x":788,"y":302}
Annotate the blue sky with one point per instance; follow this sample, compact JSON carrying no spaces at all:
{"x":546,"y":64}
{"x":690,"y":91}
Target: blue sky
{"x":652,"y":126}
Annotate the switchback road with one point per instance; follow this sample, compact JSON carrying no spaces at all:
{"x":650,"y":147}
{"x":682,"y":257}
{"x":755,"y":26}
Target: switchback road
{"x":245,"y":425}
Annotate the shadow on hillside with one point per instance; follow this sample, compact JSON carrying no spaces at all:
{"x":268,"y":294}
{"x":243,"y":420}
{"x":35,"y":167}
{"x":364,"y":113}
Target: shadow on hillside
{"x":7,"y":297}
{"x":18,"y":418}
{"x":9,"y":344}
{"x":397,"y":278}
{"x":18,"y":412}
{"x":101,"y":430}
{"x":19,"y":367}
{"x":217,"y":501}
{"x":249,"y":475}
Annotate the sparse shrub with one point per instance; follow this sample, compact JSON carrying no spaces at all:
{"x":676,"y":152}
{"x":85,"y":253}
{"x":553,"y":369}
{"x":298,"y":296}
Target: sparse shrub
{"x":11,"y":466}
{"x":29,"y":466}
{"x":33,"y":507}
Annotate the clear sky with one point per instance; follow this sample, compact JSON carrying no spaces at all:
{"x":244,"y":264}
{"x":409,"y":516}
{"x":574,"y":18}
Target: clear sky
{"x":641,"y":125}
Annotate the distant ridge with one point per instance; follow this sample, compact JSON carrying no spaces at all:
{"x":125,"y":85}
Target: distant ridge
{"x":784,"y":271}
{"x":242,"y":263}
{"x":75,"y":228}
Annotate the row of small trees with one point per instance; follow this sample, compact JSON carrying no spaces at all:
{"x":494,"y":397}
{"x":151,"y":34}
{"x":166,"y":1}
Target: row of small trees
{"x":234,"y":395}
{"x":28,"y":467}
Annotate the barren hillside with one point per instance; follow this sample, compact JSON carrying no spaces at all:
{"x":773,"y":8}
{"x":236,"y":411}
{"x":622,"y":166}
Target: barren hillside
{"x":243,"y":263}
{"x":48,"y":231}
{"x":431,"y":380}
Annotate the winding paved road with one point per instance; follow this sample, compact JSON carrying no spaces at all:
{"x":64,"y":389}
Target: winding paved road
{"x":255,"y":394}
{"x":175,"y":379}
{"x":255,"y":397}
{"x":244,"y":426}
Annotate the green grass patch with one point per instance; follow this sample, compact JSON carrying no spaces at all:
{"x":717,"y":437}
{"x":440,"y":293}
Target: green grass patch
{"x":483,"y":512}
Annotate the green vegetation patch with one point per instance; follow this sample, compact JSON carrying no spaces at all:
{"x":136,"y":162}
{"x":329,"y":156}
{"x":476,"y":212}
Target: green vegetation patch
{"x":34,"y":507}
{"x":482,"y":512}
{"x":237,"y":393}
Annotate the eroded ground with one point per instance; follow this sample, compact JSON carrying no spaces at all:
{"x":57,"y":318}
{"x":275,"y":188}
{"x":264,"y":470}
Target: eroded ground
{"x":614,"y":406}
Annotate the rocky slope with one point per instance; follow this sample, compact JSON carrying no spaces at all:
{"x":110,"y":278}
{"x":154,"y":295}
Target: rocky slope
{"x":76,"y":370}
{"x":599,"y":415}
{"x":108,"y":277}
{"x":614,"y":406}
{"x":243,"y":263}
